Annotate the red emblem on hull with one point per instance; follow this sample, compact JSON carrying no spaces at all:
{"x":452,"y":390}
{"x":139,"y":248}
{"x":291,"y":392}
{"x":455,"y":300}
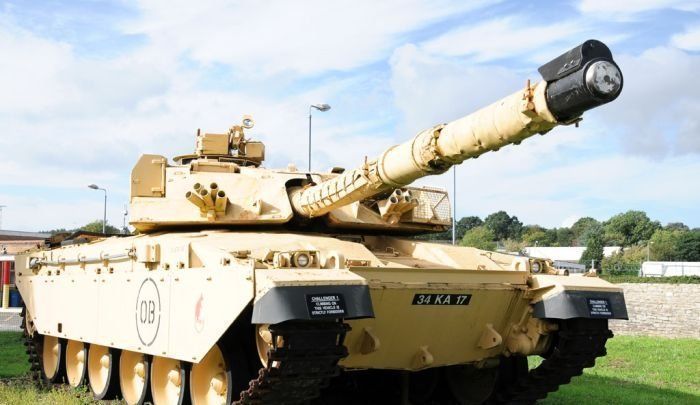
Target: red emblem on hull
{"x":198,"y":314}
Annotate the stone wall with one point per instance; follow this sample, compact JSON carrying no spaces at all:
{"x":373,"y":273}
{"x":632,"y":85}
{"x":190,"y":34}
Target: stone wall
{"x":669,"y":310}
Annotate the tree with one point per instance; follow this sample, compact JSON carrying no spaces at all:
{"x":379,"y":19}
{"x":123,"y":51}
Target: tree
{"x":465,"y":224}
{"x":59,"y":230}
{"x":676,"y":226}
{"x":564,"y":237}
{"x":535,"y":235}
{"x":688,"y":248}
{"x":580,"y":227}
{"x":480,"y":237}
{"x":594,"y":248}
{"x":595,"y":229}
{"x":630,"y":258}
{"x":630,"y":228}
{"x":504,"y":226}
{"x":462,"y":226}
{"x":96,"y":226}
{"x":515,"y":246}
{"x":663,"y":245}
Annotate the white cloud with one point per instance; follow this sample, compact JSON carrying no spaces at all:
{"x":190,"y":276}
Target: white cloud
{"x":70,"y":120}
{"x":43,"y":213}
{"x":688,"y":40}
{"x":504,"y":37}
{"x":657,"y":112}
{"x":277,"y":36}
{"x":625,"y":10}
{"x":30,"y":64}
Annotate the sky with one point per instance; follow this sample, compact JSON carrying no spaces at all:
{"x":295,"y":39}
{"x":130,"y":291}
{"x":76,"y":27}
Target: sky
{"x":88,"y":86}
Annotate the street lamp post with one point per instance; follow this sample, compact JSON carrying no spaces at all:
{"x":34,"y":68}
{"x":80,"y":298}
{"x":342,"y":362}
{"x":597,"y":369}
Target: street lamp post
{"x":323,"y":108}
{"x":454,"y":204}
{"x":104,"y":213}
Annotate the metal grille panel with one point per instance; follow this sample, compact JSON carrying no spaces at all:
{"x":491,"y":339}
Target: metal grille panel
{"x":433,"y":206}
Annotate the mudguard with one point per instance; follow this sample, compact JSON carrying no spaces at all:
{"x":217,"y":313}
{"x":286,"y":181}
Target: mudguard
{"x":558,"y":297}
{"x":326,"y":294}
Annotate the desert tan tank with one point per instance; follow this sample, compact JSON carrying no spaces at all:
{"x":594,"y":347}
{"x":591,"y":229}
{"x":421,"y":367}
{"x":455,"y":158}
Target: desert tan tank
{"x":251,"y":285}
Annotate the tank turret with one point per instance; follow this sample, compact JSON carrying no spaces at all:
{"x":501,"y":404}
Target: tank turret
{"x":223,"y":183}
{"x":578,"y":80}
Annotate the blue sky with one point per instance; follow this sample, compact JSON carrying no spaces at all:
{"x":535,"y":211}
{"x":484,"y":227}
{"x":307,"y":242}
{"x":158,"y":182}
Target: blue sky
{"x":88,"y":86}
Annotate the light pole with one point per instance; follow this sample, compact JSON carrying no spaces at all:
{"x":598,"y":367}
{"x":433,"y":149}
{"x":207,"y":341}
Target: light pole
{"x":104,"y":214}
{"x":649,"y":243}
{"x":323,"y":108}
{"x":454,"y":204}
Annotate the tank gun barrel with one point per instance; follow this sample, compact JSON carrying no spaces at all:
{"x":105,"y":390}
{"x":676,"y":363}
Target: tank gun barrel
{"x":581,"y":79}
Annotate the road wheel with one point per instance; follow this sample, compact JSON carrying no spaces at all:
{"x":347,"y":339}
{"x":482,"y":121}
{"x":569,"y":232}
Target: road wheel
{"x":102,"y":372}
{"x":263,"y":342}
{"x":211,"y":380}
{"x":52,"y":368}
{"x":133,"y":377}
{"x":169,"y":381}
{"x":76,"y":355}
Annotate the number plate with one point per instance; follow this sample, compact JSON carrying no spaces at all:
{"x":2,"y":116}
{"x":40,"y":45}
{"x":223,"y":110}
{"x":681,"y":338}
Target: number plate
{"x":442,"y":299}
{"x":326,"y":305}
{"x":599,"y":308}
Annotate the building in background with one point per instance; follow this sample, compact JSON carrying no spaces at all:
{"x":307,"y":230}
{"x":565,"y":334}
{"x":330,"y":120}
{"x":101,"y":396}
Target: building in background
{"x":11,"y":243}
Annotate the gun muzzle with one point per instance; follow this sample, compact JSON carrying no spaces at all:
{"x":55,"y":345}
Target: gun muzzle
{"x":580,"y":79}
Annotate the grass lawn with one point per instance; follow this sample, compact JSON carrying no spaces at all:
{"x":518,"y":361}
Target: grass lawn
{"x":13,"y":359}
{"x":637,"y":370}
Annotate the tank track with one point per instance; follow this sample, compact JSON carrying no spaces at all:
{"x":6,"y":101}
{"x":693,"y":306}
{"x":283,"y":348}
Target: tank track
{"x":33,"y":349}
{"x":301,"y":362}
{"x":577,"y":344}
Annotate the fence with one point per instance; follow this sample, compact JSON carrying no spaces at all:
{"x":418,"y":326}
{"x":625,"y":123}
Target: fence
{"x":669,"y":269}
{"x":10,"y":320}
{"x":629,"y":269}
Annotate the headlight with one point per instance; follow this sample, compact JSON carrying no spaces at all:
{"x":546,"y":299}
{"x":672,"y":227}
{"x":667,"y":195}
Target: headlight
{"x":301,"y":260}
{"x":535,"y":267}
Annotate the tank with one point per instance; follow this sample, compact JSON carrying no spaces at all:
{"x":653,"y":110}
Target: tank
{"x":250,"y":285}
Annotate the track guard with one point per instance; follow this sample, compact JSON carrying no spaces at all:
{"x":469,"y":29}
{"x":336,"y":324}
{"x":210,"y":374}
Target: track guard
{"x":313,"y":302}
{"x":570,"y":304}
{"x":568,"y":297}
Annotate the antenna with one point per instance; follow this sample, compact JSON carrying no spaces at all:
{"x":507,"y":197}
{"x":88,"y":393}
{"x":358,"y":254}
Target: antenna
{"x":1,"y":207}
